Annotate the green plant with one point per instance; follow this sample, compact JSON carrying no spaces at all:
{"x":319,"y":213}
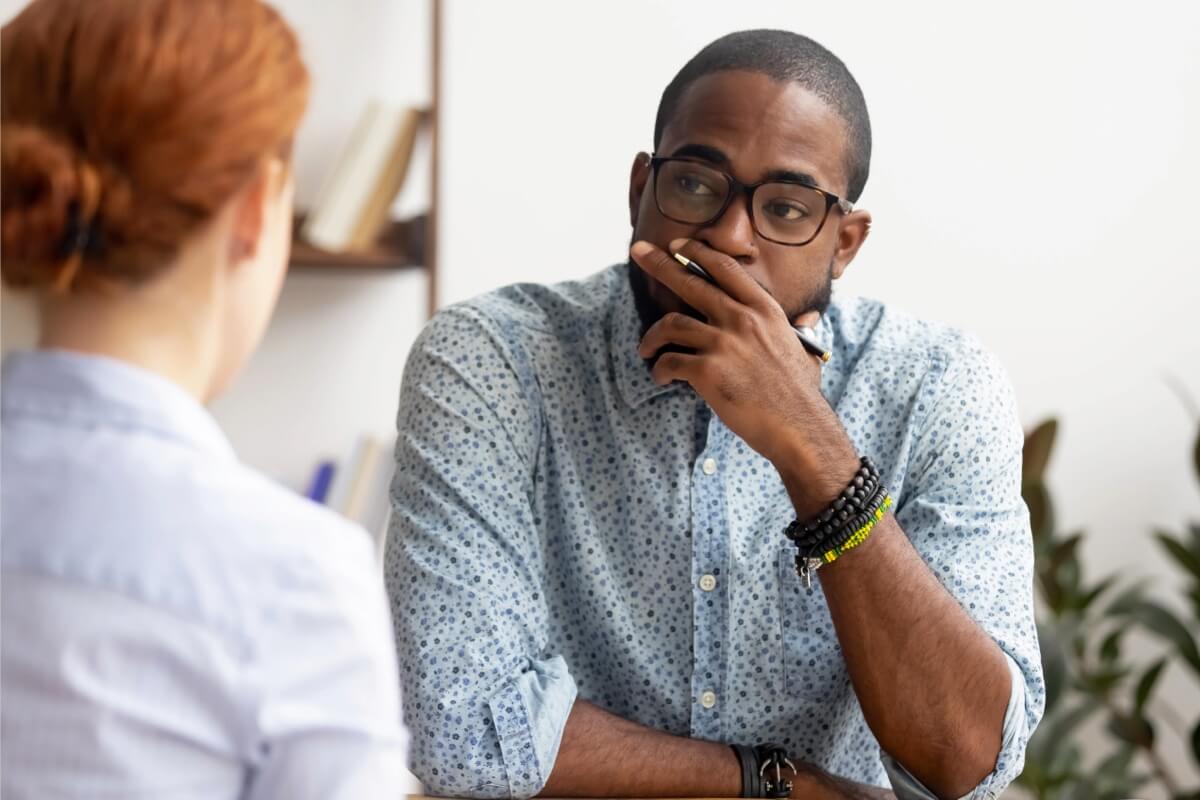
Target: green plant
{"x":1088,"y":672}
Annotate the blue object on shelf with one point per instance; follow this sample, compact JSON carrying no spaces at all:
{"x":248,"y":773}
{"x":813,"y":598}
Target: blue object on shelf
{"x":318,"y":488}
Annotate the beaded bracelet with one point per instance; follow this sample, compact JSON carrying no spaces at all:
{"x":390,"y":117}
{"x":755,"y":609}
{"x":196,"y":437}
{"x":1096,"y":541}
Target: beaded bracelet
{"x":843,"y":526}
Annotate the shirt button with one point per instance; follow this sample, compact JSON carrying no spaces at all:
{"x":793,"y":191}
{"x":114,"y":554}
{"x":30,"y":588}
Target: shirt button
{"x":708,"y":583}
{"x":710,"y":466}
{"x":708,"y":699}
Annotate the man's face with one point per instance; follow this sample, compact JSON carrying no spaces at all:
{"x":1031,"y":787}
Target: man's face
{"x":754,"y":128}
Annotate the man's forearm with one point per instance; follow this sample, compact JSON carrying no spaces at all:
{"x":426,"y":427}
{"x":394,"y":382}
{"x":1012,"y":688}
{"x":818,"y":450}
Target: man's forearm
{"x":932,"y":685}
{"x":603,"y":755}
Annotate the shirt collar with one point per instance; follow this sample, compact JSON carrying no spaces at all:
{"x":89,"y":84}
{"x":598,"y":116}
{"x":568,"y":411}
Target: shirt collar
{"x":625,"y":334}
{"x":99,"y":391}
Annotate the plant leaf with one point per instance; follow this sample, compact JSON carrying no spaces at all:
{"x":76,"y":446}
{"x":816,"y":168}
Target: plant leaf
{"x":1090,"y":595}
{"x":1186,"y":558}
{"x":1110,"y":648}
{"x":1054,"y":664}
{"x":1196,"y":743}
{"x":1145,"y":685}
{"x":1124,"y":603}
{"x":1161,"y":621}
{"x":1102,"y":681}
{"x":1132,"y":728}
{"x":1052,"y":748}
{"x":1039,"y":443}
{"x":1115,"y":779}
{"x":1196,"y":456}
{"x":1041,"y":510}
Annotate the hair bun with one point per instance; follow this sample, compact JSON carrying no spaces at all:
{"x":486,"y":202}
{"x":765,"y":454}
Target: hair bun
{"x":43,"y":177}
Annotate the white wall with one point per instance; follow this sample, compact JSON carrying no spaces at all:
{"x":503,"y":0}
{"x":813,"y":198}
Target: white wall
{"x":1034,"y":180}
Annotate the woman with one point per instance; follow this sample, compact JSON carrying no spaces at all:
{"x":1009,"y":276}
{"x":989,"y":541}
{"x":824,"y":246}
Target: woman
{"x":174,"y":624}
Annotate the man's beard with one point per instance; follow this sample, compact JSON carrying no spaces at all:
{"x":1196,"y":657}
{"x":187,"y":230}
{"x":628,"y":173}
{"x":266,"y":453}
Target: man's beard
{"x":650,"y":312}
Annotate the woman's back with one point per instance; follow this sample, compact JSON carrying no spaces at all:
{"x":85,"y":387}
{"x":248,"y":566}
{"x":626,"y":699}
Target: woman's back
{"x":173,"y":623}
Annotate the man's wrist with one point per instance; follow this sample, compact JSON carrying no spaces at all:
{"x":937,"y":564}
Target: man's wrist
{"x":812,"y":783}
{"x":815,"y":476}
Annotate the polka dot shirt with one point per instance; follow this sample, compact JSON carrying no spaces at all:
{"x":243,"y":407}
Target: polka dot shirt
{"x":564,"y":527}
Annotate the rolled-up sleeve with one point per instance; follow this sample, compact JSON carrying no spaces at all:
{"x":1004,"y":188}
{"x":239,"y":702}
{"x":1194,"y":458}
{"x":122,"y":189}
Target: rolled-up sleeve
{"x":963,"y":511}
{"x":1016,"y":727}
{"x":485,"y":703}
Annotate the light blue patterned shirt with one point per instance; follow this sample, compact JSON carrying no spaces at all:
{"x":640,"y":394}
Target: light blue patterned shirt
{"x":564,"y":527}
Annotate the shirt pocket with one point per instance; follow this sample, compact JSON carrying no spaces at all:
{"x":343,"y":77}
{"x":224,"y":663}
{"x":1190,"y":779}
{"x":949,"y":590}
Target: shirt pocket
{"x":812,"y":658}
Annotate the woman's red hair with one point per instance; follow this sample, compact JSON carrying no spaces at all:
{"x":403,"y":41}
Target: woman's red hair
{"x":127,"y":124}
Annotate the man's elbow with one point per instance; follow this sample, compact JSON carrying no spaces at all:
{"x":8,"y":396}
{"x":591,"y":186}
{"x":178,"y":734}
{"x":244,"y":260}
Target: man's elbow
{"x":452,"y":772}
{"x":963,"y":768}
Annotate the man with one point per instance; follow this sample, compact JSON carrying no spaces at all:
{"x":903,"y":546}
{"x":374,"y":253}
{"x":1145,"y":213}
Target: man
{"x":591,"y":584}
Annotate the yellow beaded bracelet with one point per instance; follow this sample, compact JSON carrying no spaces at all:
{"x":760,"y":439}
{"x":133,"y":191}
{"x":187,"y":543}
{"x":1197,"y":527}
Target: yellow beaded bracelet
{"x":860,"y":535}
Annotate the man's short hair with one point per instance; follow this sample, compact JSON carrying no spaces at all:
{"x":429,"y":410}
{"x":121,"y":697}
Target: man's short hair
{"x":784,"y":56}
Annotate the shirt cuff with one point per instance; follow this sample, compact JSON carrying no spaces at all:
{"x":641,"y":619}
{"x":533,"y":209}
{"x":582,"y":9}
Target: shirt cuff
{"x":1008,"y":763}
{"x":530,"y":714}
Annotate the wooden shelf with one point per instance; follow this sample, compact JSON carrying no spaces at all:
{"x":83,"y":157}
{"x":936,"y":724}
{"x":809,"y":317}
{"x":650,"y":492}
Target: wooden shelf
{"x":400,"y":247}
{"x":407,"y":244}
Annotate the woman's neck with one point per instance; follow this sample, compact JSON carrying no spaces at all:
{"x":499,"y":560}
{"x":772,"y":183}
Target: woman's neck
{"x":156,"y":328}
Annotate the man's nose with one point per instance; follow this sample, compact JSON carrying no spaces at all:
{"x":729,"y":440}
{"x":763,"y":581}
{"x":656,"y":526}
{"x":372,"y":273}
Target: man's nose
{"x":732,"y":233}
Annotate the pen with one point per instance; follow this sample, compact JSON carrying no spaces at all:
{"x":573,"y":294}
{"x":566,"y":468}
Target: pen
{"x":805,"y":334}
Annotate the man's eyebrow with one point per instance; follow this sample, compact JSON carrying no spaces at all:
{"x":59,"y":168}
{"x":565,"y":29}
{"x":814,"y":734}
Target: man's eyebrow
{"x":717,"y":158}
{"x":791,"y":176}
{"x":703,"y":152}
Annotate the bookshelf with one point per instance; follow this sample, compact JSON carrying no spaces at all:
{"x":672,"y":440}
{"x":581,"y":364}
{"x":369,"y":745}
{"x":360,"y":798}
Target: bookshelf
{"x":401,"y":246}
{"x":404,"y":244}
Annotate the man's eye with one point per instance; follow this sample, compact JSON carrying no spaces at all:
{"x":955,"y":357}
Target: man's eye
{"x":689,"y":184}
{"x":787,"y":210}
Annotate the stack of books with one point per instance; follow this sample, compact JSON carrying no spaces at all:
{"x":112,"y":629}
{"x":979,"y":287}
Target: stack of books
{"x":358,"y":488}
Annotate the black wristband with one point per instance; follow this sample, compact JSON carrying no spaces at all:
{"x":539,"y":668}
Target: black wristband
{"x":748,"y":760}
{"x":773,"y":762}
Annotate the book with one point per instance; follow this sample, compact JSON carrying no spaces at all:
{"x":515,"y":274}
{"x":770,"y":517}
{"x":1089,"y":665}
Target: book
{"x":352,"y":207}
{"x":343,"y":477}
{"x":318,"y":487}
{"x":374,"y":214}
{"x":358,"y":495}
{"x":361,"y":488}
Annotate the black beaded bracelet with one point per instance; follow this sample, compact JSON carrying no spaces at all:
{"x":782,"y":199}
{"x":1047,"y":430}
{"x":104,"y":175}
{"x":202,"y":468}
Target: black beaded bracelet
{"x":852,"y":501}
{"x":843,"y":525}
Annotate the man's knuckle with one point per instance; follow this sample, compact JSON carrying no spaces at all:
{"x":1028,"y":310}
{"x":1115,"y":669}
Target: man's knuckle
{"x":746,"y":321}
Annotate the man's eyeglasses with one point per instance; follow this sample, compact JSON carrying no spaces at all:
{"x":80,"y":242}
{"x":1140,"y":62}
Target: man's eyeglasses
{"x":694,"y":192}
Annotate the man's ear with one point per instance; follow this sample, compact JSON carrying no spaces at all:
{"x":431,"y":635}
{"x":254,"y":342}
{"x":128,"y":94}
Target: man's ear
{"x":639,"y":175}
{"x":851,"y":234}
{"x":250,"y":210}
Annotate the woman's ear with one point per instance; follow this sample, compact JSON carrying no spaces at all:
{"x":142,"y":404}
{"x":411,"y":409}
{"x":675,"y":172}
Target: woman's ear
{"x":639,"y":175}
{"x":252,"y":207}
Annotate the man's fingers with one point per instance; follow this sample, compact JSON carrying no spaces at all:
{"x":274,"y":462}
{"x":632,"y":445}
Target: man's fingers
{"x":691,"y":289}
{"x":808,"y":319}
{"x":727,"y":272}
{"x":676,"y":328}
{"x":676,"y":367}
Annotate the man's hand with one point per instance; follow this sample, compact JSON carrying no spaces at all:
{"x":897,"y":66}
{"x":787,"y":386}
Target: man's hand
{"x":751,"y":369}
{"x":811,"y":783}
